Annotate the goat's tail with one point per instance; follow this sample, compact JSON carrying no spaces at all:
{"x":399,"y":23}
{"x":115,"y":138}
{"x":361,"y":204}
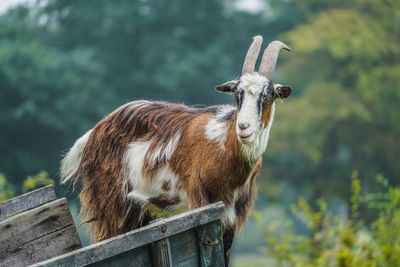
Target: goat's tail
{"x":72,"y":160}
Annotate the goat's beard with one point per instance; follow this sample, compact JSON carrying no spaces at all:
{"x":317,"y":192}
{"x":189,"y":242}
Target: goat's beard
{"x":253,"y":149}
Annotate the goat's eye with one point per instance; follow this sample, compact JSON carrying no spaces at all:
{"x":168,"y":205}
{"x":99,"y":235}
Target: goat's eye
{"x":265,"y":98}
{"x":268,"y":94}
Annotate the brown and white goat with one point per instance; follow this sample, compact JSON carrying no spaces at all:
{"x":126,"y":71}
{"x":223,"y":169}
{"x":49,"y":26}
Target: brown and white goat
{"x":149,"y":159}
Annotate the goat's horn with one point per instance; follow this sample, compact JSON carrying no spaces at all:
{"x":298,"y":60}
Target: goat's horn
{"x":270,"y":57}
{"x":252,"y":55}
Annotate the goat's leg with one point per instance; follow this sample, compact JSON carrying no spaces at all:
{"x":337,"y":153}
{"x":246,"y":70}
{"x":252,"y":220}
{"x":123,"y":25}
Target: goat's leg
{"x":228,"y":240}
{"x":230,"y":233}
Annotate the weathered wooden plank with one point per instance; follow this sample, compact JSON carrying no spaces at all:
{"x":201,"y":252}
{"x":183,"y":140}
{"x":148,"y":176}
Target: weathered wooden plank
{"x":2,"y":215}
{"x":140,"y":237}
{"x":161,"y":253}
{"x":137,"y":257}
{"x":211,"y":245}
{"x":43,"y":248}
{"x":38,"y":234}
{"x":184,"y":249}
{"x":26,"y":201}
{"x":184,"y":253}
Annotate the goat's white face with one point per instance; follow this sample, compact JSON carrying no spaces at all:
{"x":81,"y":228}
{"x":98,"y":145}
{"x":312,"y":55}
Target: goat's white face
{"x":251,"y":98}
{"x":252,"y":91}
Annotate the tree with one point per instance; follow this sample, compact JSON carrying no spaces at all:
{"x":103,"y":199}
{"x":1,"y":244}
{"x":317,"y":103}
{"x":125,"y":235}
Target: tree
{"x":345,"y":114}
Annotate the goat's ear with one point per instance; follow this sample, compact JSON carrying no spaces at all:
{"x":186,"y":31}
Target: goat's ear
{"x":282,"y":91}
{"x":228,"y":87}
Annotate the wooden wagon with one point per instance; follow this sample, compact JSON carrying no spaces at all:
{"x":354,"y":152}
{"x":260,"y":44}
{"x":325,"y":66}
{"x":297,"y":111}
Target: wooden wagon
{"x":36,"y":228}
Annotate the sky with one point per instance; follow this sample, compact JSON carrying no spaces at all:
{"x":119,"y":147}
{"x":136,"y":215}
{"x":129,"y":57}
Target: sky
{"x":6,"y":4}
{"x":251,"y":6}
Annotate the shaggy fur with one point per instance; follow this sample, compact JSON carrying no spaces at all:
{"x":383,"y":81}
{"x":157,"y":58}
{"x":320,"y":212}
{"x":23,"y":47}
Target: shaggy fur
{"x":179,"y":163}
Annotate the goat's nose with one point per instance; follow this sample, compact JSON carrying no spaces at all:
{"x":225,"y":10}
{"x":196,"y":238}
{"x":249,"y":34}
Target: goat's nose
{"x":243,"y":126}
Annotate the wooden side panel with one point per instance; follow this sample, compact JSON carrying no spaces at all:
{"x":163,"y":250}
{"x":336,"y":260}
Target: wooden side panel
{"x":211,"y":245}
{"x":38,"y":234}
{"x":161,"y":253}
{"x":26,"y":201}
{"x":137,"y":257}
{"x":184,"y":249}
{"x":140,"y":237}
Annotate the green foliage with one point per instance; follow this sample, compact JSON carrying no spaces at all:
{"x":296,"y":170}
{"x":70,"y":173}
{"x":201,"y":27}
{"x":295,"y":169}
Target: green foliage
{"x":29,"y":184}
{"x":342,"y":242}
{"x":345,"y":70}
{"x":356,"y":190}
{"x":40,"y":179}
{"x":5,"y":191}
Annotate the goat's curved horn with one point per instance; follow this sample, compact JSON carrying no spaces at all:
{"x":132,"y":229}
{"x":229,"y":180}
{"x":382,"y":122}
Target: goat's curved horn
{"x":270,"y":57}
{"x":252,"y":55}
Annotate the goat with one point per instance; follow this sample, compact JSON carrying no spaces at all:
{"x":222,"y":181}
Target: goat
{"x":151,"y":159}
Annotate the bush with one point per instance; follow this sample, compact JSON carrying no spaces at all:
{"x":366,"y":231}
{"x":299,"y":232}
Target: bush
{"x":30,"y":183}
{"x":40,"y":179}
{"x":342,"y":242}
{"x":5,"y":191}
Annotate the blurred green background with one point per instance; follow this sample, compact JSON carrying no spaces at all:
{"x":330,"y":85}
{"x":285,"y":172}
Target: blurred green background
{"x":64,"y":65}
